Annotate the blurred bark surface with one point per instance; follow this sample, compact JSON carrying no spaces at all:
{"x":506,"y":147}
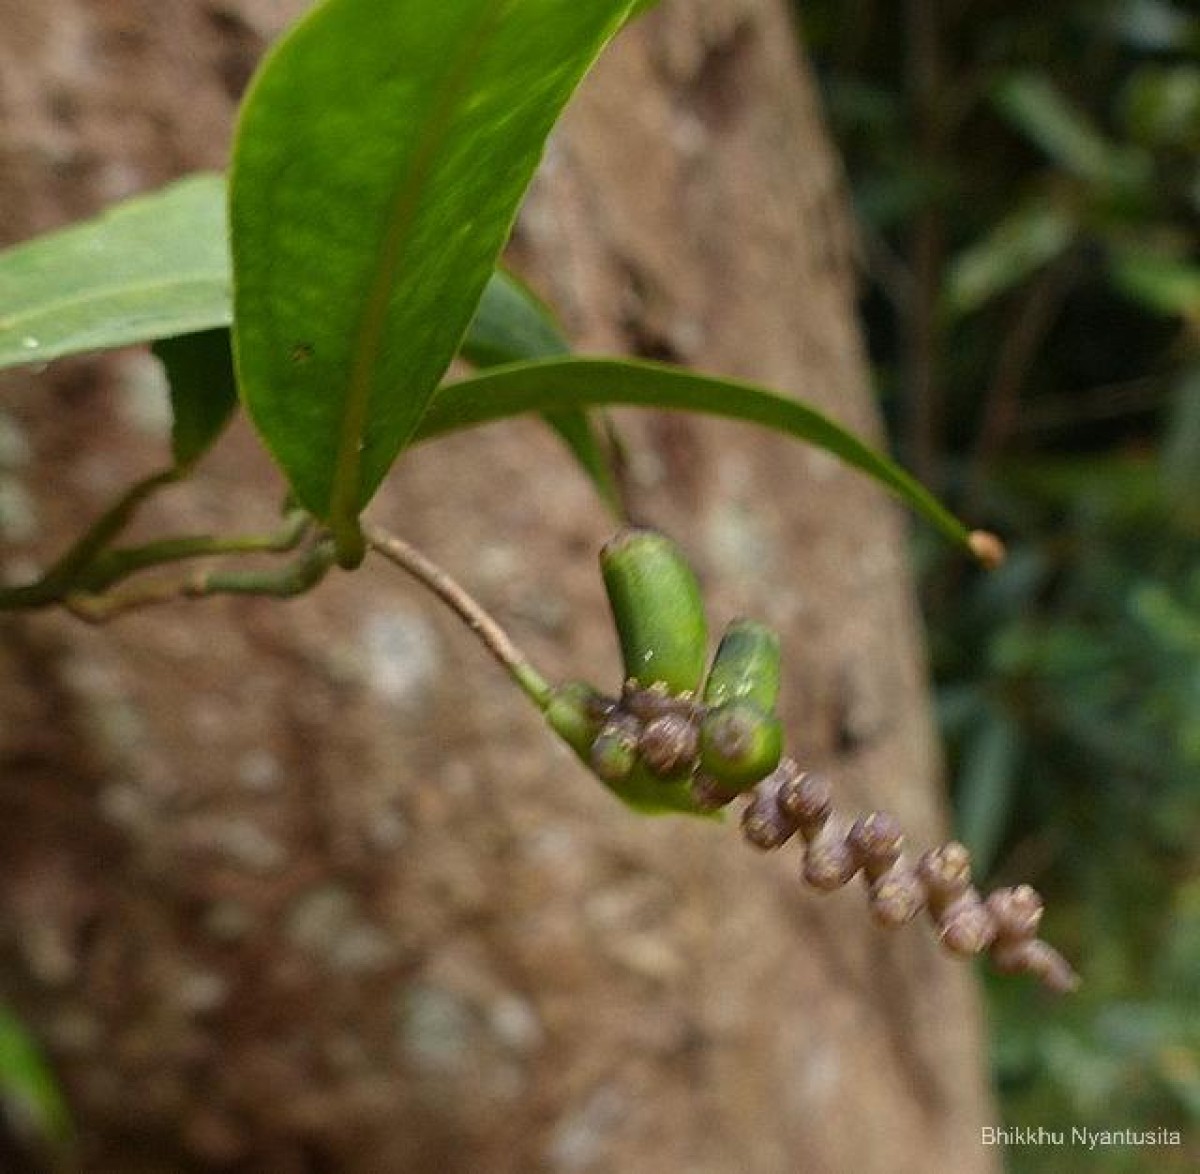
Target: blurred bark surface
{"x":306,"y":887}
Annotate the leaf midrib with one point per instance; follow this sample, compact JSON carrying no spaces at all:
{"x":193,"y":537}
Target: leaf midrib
{"x":347,"y":480}
{"x":106,"y":294}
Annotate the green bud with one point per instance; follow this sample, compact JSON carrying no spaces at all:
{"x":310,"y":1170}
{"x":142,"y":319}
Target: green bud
{"x":659,"y":613}
{"x":746,"y":667}
{"x":739,"y":744}
{"x":614,"y":753}
{"x":576,"y":713}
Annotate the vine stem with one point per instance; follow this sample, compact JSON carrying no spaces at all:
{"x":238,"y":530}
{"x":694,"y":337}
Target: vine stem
{"x":497,"y":641}
{"x":51,"y":587}
{"x":286,"y":582}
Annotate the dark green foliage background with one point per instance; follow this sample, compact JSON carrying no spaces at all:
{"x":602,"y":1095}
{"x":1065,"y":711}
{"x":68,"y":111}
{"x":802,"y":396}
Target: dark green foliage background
{"x":1046,"y":158}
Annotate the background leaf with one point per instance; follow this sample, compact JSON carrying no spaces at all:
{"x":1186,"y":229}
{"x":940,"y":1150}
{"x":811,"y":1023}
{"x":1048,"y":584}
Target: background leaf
{"x":510,"y":326}
{"x":152,"y":267}
{"x":379,"y":161}
{"x":28,"y":1091}
{"x":986,"y":788}
{"x":203,"y":390}
{"x":1013,"y":249}
{"x":580,"y":383}
{"x":1164,"y":284}
{"x":1036,"y":107}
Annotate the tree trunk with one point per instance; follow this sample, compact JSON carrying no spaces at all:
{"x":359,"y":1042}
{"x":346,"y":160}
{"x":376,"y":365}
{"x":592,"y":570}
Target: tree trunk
{"x":307,"y":887}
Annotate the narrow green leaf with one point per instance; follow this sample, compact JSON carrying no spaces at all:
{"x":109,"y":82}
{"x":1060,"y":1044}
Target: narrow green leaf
{"x":379,"y":161}
{"x":151,"y":267}
{"x":1163,"y":284}
{"x":986,"y":789}
{"x":28,"y":1091}
{"x":512,"y":325}
{"x":203,"y":390}
{"x":1028,"y":238}
{"x":1035,"y":105}
{"x":583,"y":383}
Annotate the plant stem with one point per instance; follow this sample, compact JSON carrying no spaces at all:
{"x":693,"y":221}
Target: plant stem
{"x":61,"y":577}
{"x":79,"y":578}
{"x":296,"y":578}
{"x":111,"y":566}
{"x":469,"y":609}
{"x":926,"y":245}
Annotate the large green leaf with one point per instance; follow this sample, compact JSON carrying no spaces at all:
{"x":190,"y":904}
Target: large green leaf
{"x":152,"y":267}
{"x":171,"y":286}
{"x":380,"y":157}
{"x":585,"y":383}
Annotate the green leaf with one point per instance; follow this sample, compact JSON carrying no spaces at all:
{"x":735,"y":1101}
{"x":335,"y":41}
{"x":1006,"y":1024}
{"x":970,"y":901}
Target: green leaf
{"x":380,"y":157}
{"x":1015,"y":248}
{"x":986,"y":789}
{"x":152,"y":267}
{"x":1036,"y":106}
{"x":582,"y":383}
{"x":1161,"y":105}
{"x":203,"y":390}
{"x":1163,"y":284}
{"x":28,"y":1091}
{"x":1181,"y":446}
{"x":511,"y":325}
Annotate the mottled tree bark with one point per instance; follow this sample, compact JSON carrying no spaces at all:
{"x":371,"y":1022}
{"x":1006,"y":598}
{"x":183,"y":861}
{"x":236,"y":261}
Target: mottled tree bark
{"x":307,"y":887}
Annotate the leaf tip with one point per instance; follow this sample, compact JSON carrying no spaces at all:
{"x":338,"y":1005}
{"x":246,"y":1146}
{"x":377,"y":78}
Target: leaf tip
{"x":987,"y":548}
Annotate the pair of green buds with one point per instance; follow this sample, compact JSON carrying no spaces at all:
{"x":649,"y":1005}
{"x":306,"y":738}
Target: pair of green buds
{"x":676,"y":740}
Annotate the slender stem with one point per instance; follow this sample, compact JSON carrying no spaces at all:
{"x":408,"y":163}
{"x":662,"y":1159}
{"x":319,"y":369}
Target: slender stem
{"x":51,"y":587}
{"x":296,"y":578}
{"x":450,"y":592}
{"x":113,"y":565}
{"x":1032,"y":321}
{"x":110,"y":524}
{"x":926,"y":245}
{"x":106,"y":568}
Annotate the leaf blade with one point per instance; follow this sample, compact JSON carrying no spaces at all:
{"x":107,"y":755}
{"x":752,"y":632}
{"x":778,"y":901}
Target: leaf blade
{"x":153,"y":266}
{"x":203,"y":390}
{"x":366,"y":135}
{"x":586,"y":382}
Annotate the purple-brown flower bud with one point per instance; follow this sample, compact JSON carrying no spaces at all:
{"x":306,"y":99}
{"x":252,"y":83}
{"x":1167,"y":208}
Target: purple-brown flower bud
{"x":829,"y":862}
{"x":877,"y":841}
{"x":1016,"y":911}
{"x":710,"y":795}
{"x":946,"y":873}
{"x":897,"y":896}
{"x":669,"y":745}
{"x":806,"y":797}
{"x":764,"y":823}
{"x":965,"y":926}
{"x":1039,"y":959}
